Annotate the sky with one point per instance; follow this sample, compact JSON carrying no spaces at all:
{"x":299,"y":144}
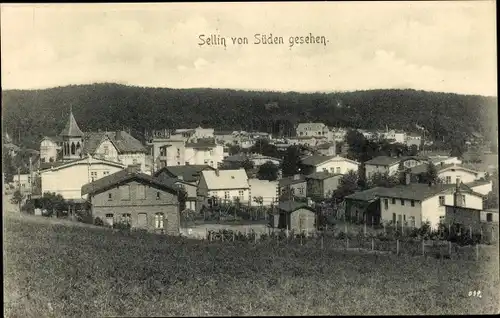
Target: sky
{"x":435,"y":46}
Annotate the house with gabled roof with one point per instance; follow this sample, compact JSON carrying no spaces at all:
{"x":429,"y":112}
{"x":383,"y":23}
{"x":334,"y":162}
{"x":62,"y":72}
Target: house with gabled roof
{"x":449,"y":173}
{"x":320,"y":185}
{"x":67,"y":177}
{"x":293,"y":186}
{"x":391,"y":165}
{"x":411,"y":205}
{"x":226,"y":185}
{"x":294,"y":216}
{"x":332,"y":164}
{"x":117,"y":146}
{"x":137,"y":199}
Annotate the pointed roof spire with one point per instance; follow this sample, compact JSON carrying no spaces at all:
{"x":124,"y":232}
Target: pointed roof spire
{"x":71,"y":129}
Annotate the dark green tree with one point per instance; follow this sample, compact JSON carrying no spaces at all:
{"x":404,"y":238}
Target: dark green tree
{"x":247,"y":165}
{"x":268,"y":171}
{"x":291,"y":161}
{"x":383,"y":180}
{"x":413,"y":151}
{"x":7,"y":165}
{"x":234,"y":149}
{"x":348,"y":185}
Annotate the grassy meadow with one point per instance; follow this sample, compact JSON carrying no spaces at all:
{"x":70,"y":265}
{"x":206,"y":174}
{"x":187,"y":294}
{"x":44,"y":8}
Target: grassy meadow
{"x":56,"y":269}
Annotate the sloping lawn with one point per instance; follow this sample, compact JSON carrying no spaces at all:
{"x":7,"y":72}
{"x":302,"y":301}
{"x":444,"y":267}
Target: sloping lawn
{"x":54,"y":270}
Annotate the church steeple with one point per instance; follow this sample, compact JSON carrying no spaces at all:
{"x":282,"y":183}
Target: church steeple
{"x":71,"y":129}
{"x":72,"y":139}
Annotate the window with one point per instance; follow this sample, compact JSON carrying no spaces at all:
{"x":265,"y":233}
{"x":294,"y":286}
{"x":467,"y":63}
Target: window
{"x":393,"y":201}
{"x":211,"y":152}
{"x":159,"y":220}
{"x":448,"y":179}
{"x":463,"y":200}
{"x":163,"y":151}
{"x":338,"y":169}
{"x":226,"y":195}
{"x":332,"y":170}
{"x":442,"y":219}
{"x":240,"y":194}
{"x":404,"y":217}
{"x":106,"y":150}
{"x":178,"y":152}
{"x":134,"y":161}
{"x":441,"y":200}
{"x":141,"y":192}
{"x":394,"y":218}
{"x":386,"y":204}
{"x":125,"y":192}
{"x":325,"y":170}
{"x":110,"y":196}
{"x":158,"y":195}
{"x":93,"y":176}
{"x":402,"y":202}
{"x":205,"y":161}
{"x":142,"y":220}
{"x":489,"y":217}
{"x":109,"y":219}
{"x":301,"y":190}
{"x":105,"y":173}
{"x":126,"y":218}
{"x":178,"y":163}
{"x":412,"y":202}
{"x":457,"y":180}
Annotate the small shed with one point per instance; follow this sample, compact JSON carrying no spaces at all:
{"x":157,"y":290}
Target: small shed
{"x":296,"y":216}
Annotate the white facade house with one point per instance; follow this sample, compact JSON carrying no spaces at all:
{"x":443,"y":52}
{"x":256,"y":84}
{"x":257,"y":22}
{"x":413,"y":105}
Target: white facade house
{"x":49,"y":147}
{"x":482,"y":187}
{"x":179,"y":152}
{"x":226,"y":185}
{"x":67,"y":178}
{"x":390,"y":165}
{"x":267,"y":190}
{"x":313,"y":130}
{"x":395,"y":135}
{"x":331,"y":164}
{"x":415,"y":204}
{"x":453,"y":173}
{"x":437,"y":160}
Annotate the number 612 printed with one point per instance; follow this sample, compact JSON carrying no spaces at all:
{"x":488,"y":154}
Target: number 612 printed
{"x":475,"y":293}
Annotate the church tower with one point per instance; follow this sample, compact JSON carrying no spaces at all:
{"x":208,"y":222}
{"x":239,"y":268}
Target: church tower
{"x":72,"y":139}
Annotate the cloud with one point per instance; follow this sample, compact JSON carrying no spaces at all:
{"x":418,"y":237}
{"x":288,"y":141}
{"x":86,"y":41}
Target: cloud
{"x":434,"y":46}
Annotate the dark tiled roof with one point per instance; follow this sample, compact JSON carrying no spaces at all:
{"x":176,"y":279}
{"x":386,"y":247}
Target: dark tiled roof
{"x":189,"y":173}
{"x":326,"y":145}
{"x":367,"y":195}
{"x":122,"y":140}
{"x":236,"y":158}
{"x":124,"y":176}
{"x":290,"y":180}
{"x":415,"y":191}
{"x":321,"y":175}
{"x":315,"y":160}
{"x":71,"y":129}
{"x":202,"y":143}
{"x":477,"y":183}
{"x":290,"y":206}
{"x":383,"y":161}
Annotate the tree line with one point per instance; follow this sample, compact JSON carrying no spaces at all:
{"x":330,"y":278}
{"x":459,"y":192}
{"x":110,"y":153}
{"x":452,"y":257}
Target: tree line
{"x":30,"y":114}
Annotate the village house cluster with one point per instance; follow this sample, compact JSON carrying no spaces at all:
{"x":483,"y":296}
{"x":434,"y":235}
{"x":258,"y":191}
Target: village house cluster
{"x":149,"y":184}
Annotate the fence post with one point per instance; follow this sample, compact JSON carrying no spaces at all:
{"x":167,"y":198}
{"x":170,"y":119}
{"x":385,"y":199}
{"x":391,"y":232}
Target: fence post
{"x":321,"y":242}
{"x":397,"y":247}
{"x":233,"y":236}
{"x":470,"y":231}
{"x":449,"y":248}
{"x":255,"y":237}
{"x":346,"y":242}
{"x":301,"y":234}
{"x":373,"y":244}
{"x":423,"y":247}
{"x":384,"y":229}
{"x":477,"y":251}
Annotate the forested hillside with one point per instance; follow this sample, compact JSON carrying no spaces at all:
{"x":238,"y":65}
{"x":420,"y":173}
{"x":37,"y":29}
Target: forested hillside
{"x":34,"y":113}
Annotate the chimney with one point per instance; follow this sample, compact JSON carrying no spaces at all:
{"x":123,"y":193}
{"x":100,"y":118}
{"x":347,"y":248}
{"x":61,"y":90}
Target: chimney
{"x":296,"y":177}
{"x":217,"y":172}
{"x":442,"y":163}
{"x":117,"y":134}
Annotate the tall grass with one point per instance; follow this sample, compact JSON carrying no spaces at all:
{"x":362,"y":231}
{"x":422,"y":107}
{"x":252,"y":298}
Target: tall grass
{"x":62,"y":270}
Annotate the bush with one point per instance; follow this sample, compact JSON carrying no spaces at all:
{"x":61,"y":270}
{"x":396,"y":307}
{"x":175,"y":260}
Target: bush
{"x":122,"y":226}
{"x":28,"y":207}
{"x":98,"y":222}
